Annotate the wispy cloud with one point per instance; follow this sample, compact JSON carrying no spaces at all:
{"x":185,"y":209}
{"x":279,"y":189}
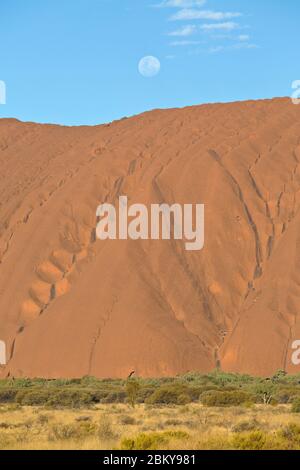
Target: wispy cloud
{"x":243,"y":37}
{"x":232,"y":47}
{"x":245,"y":46}
{"x":215,"y":49}
{"x":184,"y":31}
{"x":228,"y":26}
{"x":191,"y":14}
{"x":184,"y":43}
{"x":180,"y":3}
{"x":219,"y":30}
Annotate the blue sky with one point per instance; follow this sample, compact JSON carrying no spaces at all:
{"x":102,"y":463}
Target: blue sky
{"x":76,"y":61}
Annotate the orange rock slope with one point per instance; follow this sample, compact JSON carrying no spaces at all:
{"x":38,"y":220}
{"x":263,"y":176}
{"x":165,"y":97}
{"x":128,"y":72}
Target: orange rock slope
{"x":71,"y":305}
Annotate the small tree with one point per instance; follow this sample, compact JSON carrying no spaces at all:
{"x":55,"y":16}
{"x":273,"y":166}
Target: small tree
{"x":132,"y":389}
{"x":279,"y":375}
{"x":265,"y":392}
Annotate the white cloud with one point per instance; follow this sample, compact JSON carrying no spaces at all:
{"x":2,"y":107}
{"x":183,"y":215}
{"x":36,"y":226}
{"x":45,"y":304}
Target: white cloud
{"x":243,"y":37}
{"x":228,"y":26}
{"x":184,"y":43}
{"x":234,"y":47}
{"x":184,"y":31}
{"x":224,"y":30}
{"x":190,"y":14}
{"x":215,"y":49}
{"x":180,"y":3}
{"x":245,"y":46}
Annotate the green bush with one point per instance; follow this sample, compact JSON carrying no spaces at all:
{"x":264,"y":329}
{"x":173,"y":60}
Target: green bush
{"x":117,"y":396}
{"x":183,"y":399}
{"x":143,"y":441}
{"x":145,"y":392}
{"x":228,"y":398}
{"x":33,"y":397}
{"x":184,"y":389}
{"x":264,"y":392}
{"x":151,"y":441}
{"x":8,"y":395}
{"x":223,"y":379}
{"x":55,"y":398}
{"x":174,"y":394}
{"x":254,"y":440}
{"x":132,"y":389}
{"x":287,"y":394}
{"x":296,"y":406}
{"x":70,"y":398}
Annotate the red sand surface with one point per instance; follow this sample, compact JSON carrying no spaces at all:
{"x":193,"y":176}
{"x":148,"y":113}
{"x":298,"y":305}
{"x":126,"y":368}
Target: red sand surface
{"x":72,"y":306}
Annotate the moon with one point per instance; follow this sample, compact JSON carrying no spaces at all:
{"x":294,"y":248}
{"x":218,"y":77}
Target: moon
{"x":149,"y":66}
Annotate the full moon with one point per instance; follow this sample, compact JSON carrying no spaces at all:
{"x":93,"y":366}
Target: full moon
{"x":149,"y":66}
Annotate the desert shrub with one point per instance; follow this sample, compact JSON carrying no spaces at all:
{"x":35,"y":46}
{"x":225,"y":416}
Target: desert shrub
{"x":105,"y":429}
{"x":243,"y":426}
{"x":8,"y":395}
{"x":220,"y":398}
{"x":60,"y":432}
{"x":151,"y":441}
{"x":296,"y":406}
{"x":70,"y":398}
{"x":58,"y":383}
{"x":88,"y":380}
{"x":264,"y":392}
{"x":83,"y":419}
{"x":222,"y":379}
{"x":127,"y":420}
{"x":279,"y":376}
{"x":173,"y":422}
{"x":86,"y":428}
{"x":176,"y":434}
{"x":42,"y":419}
{"x":287,"y":394}
{"x":54,"y":398}
{"x":144,"y":441}
{"x":249,"y":404}
{"x":11,"y":408}
{"x":170,"y":394}
{"x":291,"y":433}
{"x":183,"y":399}
{"x":177,"y":390}
{"x":144,"y":393}
{"x":132,"y":389}
{"x":5,"y":425}
{"x":33,"y":397}
{"x":18,"y":383}
{"x":254,"y":440}
{"x":118,"y":396}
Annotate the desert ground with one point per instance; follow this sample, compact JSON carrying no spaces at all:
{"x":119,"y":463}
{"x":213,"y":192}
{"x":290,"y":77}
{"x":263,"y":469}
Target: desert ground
{"x":188,"y":427}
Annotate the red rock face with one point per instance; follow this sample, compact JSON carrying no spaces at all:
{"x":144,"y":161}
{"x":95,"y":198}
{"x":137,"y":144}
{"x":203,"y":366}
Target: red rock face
{"x":71,"y":305}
